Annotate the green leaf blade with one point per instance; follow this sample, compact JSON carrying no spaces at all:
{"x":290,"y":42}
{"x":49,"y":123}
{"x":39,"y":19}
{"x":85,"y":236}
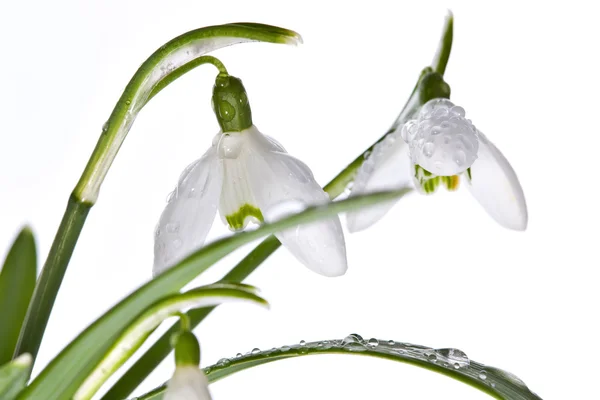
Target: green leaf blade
{"x":63,"y":376}
{"x":452,"y":363}
{"x":161,"y":348}
{"x":17,"y":282}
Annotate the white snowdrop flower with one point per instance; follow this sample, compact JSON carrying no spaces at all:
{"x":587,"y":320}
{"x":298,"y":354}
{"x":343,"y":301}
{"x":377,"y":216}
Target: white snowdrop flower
{"x":248,"y":176}
{"x":436,"y":148}
{"x":188,"y":381}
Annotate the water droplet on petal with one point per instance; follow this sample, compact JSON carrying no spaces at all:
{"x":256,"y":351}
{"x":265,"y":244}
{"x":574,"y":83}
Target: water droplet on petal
{"x":458,"y":110}
{"x":255,"y":351}
{"x":460,"y":158}
{"x":428,"y":149}
{"x":483,"y":375}
{"x":303,"y":343}
{"x":373,"y":342}
{"x":170,"y":197}
{"x":173,"y":227}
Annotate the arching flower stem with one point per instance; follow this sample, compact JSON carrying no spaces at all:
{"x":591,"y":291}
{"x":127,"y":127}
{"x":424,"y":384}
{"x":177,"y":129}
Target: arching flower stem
{"x":166,"y":64}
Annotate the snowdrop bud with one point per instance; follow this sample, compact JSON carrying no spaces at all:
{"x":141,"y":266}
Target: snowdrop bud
{"x":441,"y":140}
{"x":230,"y":104}
{"x":187,"y":348}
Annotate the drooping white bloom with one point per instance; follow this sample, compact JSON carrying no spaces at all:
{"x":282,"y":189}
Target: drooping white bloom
{"x":436,"y":148}
{"x":249,"y":177}
{"x":188,"y":383}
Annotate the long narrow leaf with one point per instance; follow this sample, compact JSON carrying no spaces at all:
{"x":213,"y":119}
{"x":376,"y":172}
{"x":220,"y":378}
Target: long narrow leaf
{"x":63,"y":376}
{"x":453,"y":363}
{"x":17,"y":281}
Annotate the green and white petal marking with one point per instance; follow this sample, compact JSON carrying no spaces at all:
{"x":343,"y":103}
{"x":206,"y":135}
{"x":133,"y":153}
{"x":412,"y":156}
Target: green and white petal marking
{"x":238,"y":205}
{"x":262,"y":182}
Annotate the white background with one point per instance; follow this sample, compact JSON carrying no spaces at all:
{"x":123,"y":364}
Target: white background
{"x":437,"y":271}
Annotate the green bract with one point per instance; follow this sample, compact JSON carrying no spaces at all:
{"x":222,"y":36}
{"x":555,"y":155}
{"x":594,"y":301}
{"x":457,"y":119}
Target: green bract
{"x":230,"y":102}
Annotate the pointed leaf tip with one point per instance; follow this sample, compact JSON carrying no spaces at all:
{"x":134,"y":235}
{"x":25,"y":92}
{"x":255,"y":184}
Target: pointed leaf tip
{"x":17,"y":282}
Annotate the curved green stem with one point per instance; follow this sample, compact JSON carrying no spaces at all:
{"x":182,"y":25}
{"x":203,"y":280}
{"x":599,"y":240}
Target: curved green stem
{"x":165,"y":65}
{"x":166,"y":81}
{"x":429,"y":85}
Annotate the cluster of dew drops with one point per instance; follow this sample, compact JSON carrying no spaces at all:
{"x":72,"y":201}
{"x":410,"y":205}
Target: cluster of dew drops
{"x":452,"y":359}
{"x":441,"y":139}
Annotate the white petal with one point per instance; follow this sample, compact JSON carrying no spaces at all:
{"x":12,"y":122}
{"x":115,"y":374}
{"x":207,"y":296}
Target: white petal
{"x":496,"y":186}
{"x":189,"y":214}
{"x":188,"y":383}
{"x":237,"y":206}
{"x":388,"y":167}
{"x":281,"y":184}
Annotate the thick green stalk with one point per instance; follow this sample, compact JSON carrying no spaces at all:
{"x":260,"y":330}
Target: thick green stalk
{"x":51,"y":276}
